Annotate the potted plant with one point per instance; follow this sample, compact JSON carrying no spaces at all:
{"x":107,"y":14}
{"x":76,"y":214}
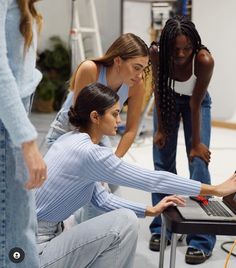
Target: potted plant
{"x":45,"y":95}
{"x":54,"y":63}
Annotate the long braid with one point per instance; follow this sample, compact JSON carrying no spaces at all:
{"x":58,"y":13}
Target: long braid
{"x":173,"y":27}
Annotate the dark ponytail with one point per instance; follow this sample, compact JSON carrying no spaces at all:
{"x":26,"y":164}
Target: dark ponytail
{"x":94,"y":97}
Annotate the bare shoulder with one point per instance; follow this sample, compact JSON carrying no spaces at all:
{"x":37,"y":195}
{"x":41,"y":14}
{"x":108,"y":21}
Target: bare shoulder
{"x":204,"y":59}
{"x":88,"y":66}
{"x":204,"y":64}
{"x":85,"y":74}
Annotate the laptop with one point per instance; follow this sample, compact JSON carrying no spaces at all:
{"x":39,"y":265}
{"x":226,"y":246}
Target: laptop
{"x":216,"y":210}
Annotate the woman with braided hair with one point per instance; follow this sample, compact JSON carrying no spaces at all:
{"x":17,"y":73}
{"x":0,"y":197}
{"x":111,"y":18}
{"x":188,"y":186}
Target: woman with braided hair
{"x":21,"y":164}
{"x":182,"y":69}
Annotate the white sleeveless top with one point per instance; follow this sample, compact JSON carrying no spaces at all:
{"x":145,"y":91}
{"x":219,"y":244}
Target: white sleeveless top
{"x":186,"y":87}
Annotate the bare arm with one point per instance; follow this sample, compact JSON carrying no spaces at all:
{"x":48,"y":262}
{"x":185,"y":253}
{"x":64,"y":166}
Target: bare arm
{"x":86,"y":74}
{"x":135,"y":101}
{"x":223,"y":189}
{"x":204,"y":69}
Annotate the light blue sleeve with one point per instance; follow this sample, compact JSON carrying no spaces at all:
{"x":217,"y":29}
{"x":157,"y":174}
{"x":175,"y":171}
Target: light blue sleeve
{"x":108,"y":201}
{"x":106,"y":166}
{"x":12,"y":110}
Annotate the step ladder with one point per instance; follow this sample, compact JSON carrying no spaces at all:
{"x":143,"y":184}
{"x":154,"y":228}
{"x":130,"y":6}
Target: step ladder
{"x":85,"y":41}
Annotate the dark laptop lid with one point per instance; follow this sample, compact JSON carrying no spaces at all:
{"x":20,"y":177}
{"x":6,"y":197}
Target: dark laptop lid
{"x":230,"y":201}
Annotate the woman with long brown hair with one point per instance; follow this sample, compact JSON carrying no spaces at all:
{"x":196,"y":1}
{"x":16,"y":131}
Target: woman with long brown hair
{"x":21,"y":165}
{"x":122,"y":68}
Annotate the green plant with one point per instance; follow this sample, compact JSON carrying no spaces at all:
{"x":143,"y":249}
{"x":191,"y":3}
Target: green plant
{"x":46,"y":89}
{"x":54,"y":63}
{"x":56,"y":59}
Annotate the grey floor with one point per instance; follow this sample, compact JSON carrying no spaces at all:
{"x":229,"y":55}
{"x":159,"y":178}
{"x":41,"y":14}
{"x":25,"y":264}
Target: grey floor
{"x":223,"y":148}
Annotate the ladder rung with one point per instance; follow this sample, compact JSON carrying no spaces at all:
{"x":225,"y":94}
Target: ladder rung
{"x":86,"y":30}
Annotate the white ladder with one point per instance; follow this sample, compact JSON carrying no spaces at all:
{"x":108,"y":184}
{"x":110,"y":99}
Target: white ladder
{"x":83,"y":37}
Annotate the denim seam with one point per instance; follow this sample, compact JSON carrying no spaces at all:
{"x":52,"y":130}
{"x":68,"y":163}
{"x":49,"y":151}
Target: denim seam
{"x":3,"y":200}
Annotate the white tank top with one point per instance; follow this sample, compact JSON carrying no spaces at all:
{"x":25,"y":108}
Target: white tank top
{"x":186,"y":87}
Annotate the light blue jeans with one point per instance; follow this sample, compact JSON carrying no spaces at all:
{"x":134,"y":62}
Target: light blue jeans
{"x":17,"y":205}
{"x":165,"y":159}
{"x":108,"y":240}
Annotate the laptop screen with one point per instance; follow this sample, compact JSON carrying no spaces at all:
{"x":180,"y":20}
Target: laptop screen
{"x":230,"y":201}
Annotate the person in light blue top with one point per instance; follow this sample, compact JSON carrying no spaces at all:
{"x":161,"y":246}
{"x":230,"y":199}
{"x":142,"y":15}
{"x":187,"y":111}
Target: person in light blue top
{"x":21,"y":165}
{"x":122,"y":68}
{"x":76,"y":164}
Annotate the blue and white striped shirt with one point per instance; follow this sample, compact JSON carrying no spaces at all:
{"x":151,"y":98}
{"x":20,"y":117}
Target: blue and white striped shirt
{"x":76,"y":165}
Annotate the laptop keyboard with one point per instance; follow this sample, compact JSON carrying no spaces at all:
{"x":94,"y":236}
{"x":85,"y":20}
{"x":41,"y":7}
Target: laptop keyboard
{"x":214,"y":208}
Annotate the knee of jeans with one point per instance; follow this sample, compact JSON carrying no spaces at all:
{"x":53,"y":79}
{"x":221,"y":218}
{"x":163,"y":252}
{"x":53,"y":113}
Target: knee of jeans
{"x":130,"y":220}
{"x":198,"y":162}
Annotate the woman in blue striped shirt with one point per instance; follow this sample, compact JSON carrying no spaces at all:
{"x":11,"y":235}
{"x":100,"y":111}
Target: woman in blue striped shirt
{"x":76,"y":165}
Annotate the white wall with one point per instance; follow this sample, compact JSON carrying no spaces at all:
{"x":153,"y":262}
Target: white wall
{"x":137,"y":19}
{"x":57,"y":19}
{"x":214,"y":19}
{"x":216,"y":23}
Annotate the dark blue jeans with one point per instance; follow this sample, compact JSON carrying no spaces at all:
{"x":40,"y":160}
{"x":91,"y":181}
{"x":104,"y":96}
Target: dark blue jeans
{"x":165,"y":159}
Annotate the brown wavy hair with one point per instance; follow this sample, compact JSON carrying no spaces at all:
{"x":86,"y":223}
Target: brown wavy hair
{"x":28,"y":14}
{"x":127,"y":46}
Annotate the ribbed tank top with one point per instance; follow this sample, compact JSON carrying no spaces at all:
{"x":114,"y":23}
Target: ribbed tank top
{"x":122,"y":92}
{"x":186,"y":87}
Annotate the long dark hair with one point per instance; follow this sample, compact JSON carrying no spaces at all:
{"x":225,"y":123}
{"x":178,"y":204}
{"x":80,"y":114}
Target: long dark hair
{"x":178,"y":25}
{"x":94,"y":97}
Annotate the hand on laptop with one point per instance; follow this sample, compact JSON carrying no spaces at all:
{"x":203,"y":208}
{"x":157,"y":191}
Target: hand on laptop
{"x":167,"y":201}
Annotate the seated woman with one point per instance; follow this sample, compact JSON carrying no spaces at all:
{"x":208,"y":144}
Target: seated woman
{"x":76,"y":165}
{"x":124,"y":67}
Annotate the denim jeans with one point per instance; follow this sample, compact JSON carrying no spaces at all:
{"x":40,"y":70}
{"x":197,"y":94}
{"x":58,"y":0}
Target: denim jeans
{"x":165,"y":159}
{"x":17,"y":205}
{"x":108,"y":240}
{"x":61,"y":124}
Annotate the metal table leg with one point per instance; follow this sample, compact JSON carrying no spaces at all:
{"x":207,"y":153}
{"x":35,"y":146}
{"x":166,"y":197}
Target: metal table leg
{"x":163,"y":242}
{"x":174,"y":241}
